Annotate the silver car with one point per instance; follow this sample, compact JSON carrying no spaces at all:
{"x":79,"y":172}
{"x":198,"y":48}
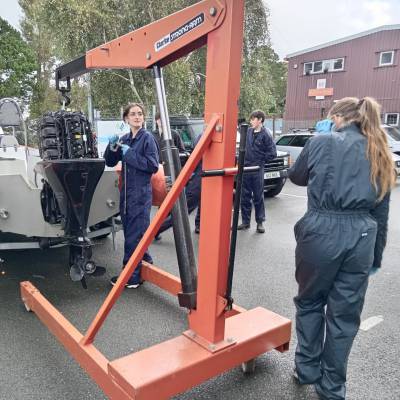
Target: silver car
{"x":293,"y":143}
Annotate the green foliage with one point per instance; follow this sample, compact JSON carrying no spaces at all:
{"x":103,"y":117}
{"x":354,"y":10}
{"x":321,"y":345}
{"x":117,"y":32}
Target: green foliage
{"x":263,"y":85}
{"x":17,"y":64}
{"x":39,"y":38}
{"x":59,"y":31}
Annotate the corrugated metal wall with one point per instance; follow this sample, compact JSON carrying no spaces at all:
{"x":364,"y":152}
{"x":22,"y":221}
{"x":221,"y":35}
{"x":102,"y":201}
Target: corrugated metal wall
{"x":361,"y":77}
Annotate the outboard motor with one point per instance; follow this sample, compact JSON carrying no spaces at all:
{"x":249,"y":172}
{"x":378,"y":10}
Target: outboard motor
{"x":71,"y":172}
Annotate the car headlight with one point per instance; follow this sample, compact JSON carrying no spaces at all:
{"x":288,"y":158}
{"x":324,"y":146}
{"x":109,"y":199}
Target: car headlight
{"x":285,"y":161}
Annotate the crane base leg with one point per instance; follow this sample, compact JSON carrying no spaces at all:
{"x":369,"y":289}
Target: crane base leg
{"x":166,"y":369}
{"x":171,"y":367}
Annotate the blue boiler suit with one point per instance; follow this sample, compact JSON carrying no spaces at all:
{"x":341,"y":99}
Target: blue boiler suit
{"x":260,"y":149}
{"x":340,"y":237}
{"x":138,"y":165}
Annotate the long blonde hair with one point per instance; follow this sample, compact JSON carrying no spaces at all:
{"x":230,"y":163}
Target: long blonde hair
{"x":366,"y":113}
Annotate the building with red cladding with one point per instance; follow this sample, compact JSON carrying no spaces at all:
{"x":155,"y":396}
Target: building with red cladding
{"x":366,"y":64}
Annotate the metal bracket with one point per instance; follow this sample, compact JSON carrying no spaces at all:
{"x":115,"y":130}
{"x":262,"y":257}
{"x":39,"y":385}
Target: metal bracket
{"x":211,"y":347}
{"x":219,"y":127}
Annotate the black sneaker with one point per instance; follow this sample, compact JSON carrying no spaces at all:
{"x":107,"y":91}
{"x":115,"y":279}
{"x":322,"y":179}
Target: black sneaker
{"x":243,"y":227}
{"x":128,"y":285}
{"x":197,"y":230}
{"x":260,"y":228}
{"x":157,"y":237}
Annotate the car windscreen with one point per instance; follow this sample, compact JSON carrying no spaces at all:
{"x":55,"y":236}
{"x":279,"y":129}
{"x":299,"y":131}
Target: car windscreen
{"x":184,"y":133}
{"x":284,"y":140}
{"x":188,"y":133}
{"x":393,"y":132}
{"x":299,"y":141}
{"x":198,"y":129}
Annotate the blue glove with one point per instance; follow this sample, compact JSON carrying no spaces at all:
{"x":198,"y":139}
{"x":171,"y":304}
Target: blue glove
{"x":113,"y":140}
{"x":324,"y":126}
{"x":124,"y":148}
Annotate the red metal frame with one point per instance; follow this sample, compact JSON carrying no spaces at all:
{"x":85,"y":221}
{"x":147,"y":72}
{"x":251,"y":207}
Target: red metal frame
{"x":217,"y":339}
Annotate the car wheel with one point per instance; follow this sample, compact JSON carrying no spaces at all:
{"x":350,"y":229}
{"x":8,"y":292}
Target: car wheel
{"x":276,"y":190}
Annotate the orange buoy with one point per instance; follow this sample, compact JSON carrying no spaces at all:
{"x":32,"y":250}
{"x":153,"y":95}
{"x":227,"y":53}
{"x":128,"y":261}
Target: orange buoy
{"x":158,"y":186}
{"x":159,"y":191}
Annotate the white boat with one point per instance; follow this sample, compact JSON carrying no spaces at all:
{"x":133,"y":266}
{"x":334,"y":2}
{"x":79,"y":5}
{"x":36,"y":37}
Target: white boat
{"x":37,"y":219}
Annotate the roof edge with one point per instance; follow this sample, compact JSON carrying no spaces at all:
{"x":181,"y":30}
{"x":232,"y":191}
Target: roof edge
{"x":345,"y":39}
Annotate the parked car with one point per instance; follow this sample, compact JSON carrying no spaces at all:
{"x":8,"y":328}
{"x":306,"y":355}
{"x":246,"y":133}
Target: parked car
{"x":188,"y":128}
{"x":396,"y":160}
{"x":393,"y":137}
{"x":293,"y":143}
{"x":274,"y":172}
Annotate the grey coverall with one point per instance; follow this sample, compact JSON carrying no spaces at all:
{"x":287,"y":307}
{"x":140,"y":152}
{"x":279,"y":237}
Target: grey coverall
{"x":336,"y":242}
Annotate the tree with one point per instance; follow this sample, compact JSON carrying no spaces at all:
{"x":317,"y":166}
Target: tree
{"x":17,"y":64}
{"x":60,"y":31}
{"x":38,"y":36}
{"x":263,"y":83}
{"x":98,"y":21}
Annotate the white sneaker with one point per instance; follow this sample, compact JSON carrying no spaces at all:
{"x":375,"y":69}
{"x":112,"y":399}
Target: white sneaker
{"x":128,"y":285}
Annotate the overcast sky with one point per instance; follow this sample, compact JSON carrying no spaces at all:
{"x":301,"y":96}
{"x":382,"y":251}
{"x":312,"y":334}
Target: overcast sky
{"x":298,"y":24}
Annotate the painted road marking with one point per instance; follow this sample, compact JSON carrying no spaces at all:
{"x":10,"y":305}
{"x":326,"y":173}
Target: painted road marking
{"x":293,"y":195}
{"x":371,"y":322}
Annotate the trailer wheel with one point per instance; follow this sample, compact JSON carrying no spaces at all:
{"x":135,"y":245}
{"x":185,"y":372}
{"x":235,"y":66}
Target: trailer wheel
{"x":249,"y":367}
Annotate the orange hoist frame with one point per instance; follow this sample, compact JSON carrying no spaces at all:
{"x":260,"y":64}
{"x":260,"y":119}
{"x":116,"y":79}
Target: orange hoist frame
{"x":218,"y":338}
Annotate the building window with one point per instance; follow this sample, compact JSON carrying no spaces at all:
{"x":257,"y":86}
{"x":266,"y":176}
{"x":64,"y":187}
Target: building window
{"x":324,"y":66}
{"x":338,"y":64}
{"x":317,"y":67}
{"x":392,"y":119}
{"x":308,"y":68}
{"x":386,"y":58}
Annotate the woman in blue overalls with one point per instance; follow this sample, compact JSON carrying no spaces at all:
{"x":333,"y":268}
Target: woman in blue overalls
{"x":340,"y":239}
{"x":138,"y":152}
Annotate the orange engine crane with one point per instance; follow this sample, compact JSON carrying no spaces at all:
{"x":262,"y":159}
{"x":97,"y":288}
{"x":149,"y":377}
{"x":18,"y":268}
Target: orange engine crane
{"x":220,"y":335}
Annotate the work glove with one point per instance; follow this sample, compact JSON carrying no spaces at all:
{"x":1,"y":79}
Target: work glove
{"x":324,"y":126}
{"x":124,"y":148}
{"x":113,"y":142}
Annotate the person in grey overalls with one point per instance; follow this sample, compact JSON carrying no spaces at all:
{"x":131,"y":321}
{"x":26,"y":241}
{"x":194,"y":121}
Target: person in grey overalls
{"x":340,"y":239}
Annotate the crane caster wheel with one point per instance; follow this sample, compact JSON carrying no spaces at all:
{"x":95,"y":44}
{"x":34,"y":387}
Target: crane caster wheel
{"x":249,"y":367}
